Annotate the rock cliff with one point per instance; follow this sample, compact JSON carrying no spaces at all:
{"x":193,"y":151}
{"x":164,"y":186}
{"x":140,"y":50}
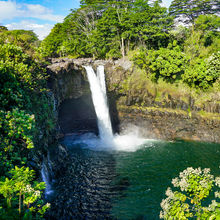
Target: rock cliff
{"x":160,"y":110}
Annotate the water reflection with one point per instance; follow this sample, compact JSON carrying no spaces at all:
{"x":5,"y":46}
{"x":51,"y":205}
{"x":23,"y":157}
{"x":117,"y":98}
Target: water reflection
{"x":83,"y":187}
{"x":92,"y":184}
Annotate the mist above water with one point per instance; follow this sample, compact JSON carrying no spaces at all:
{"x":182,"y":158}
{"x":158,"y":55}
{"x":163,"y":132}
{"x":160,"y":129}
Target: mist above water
{"x":129,"y":141}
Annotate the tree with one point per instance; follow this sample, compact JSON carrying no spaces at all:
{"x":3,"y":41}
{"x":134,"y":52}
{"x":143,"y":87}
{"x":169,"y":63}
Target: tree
{"x":208,"y":26}
{"x":50,"y":45}
{"x":3,"y":28}
{"x":23,"y":195}
{"x":203,"y":38}
{"x":207,"y":23}
{"x":109,"y":29}
{"x":203,"y":72}
{"x":167,"y":63}
{"x":188,"y":10}
{"x":23,"y":98}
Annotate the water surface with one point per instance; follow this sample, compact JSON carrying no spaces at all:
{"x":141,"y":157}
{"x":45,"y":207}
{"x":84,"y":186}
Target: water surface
{"x":96,"y":184}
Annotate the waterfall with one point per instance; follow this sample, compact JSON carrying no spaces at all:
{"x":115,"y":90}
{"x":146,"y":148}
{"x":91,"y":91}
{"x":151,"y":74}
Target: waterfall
{"x":99,"y":98}
{"x":46,"y":176}
{"x":101,"y":78}
{"x":129,"y":141}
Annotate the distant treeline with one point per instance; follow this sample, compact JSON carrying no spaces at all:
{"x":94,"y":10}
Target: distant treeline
{"x":111,"y":28}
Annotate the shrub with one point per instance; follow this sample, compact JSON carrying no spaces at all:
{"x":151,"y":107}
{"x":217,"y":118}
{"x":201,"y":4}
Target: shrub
{"x":203,"y":73}
{"x":26,"y":120}
{"x":22,"y":195}
{"x":166,"y":63}
{"x":195,"y":186}
{"x":16,"y":136}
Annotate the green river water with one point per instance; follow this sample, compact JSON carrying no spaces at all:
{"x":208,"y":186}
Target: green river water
{"x":124,"y":185}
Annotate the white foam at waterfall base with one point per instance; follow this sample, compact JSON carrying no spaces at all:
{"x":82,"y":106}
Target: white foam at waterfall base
{"x":128,"y":141}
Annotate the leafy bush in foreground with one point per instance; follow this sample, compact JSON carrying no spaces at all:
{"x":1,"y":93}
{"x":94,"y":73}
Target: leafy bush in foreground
{"x":166,"y":63}
{"x":26,"y":122}
{"x":22,"y":195}
{"x":195,"y":186}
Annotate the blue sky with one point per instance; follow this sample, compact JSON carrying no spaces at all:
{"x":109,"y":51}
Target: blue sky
{"x":36,"y":15}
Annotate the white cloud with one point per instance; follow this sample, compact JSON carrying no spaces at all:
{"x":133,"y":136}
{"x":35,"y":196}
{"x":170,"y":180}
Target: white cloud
{"x":42,"y":30}
{"x":41,"y":12}
{"x":7,"y":10}
{"x":37,"y":9}
{"x":10,"y":10}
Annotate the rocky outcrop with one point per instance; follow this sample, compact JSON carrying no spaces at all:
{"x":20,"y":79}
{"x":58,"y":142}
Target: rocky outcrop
{"x":165,"y":113}
{"x":169,"y":124}
{"x":71,"y":95}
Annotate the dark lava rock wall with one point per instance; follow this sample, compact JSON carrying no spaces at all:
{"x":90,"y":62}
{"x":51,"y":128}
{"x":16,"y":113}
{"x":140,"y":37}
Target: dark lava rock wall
{"x":77,"y":115}
{"x":170,"y":125}
{"x":168,"y":117}
{"x":70,"y":90}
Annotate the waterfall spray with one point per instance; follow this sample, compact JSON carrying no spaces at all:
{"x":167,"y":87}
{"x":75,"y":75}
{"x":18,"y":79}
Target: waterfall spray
{"x":129,"y":141}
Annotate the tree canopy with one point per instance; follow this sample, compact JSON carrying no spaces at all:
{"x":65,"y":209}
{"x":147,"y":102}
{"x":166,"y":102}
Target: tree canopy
{"x":188,"y":10}
{"x":109,"y":29}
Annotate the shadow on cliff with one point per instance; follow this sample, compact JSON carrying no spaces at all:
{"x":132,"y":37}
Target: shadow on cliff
{"x":112,"y":97}
{"x":77,"y":115}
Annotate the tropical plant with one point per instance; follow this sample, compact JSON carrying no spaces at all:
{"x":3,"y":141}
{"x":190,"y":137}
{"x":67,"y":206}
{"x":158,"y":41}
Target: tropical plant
{"x":109,"y":29}
{"x":195,"y":186}
{"x":204,"y":72}
{"x":167,"y":63}
{"x":26,"y":120}
{"x":23,"y":195}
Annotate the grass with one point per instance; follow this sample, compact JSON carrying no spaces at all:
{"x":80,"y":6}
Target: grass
{"x":209,"y":115}
{"x":139,"y":84}
{"x":143,"y":110}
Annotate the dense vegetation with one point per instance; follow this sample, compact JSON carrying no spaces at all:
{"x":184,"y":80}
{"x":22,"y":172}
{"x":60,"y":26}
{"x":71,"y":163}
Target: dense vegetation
{"x":196,"y":185}
{"x":109,"y":29}
{"x":141,"y":30}
{"x":25,"y":122}
{"x":147,"y":33}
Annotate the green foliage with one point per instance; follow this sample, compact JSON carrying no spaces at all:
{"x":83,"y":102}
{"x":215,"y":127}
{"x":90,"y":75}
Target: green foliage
{"x":23,"y":100}
{"x":25,"y":114}
{"x":188,"y":10}
{"x":180,"y":35}
{"x":139,"y":58}
{"x":3,"y":28}
{"x":23,"y":87}
{"x":203,"y":73}
{"x":16,"y":137}
{"x":22,"y":195}
{"x":50,"y":46}
{"x":204,"y":38}
{"x":21,"y":67}
{"x":192,"y":57}
{"x":207,"y":23}
{"x":167,"y":63}
{"x":195,"y":185}
{"x":109,"y":29}
{"x":27,"y":40}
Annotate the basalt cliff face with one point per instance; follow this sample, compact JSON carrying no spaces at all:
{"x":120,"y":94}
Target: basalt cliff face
{"x":160,"y":111}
